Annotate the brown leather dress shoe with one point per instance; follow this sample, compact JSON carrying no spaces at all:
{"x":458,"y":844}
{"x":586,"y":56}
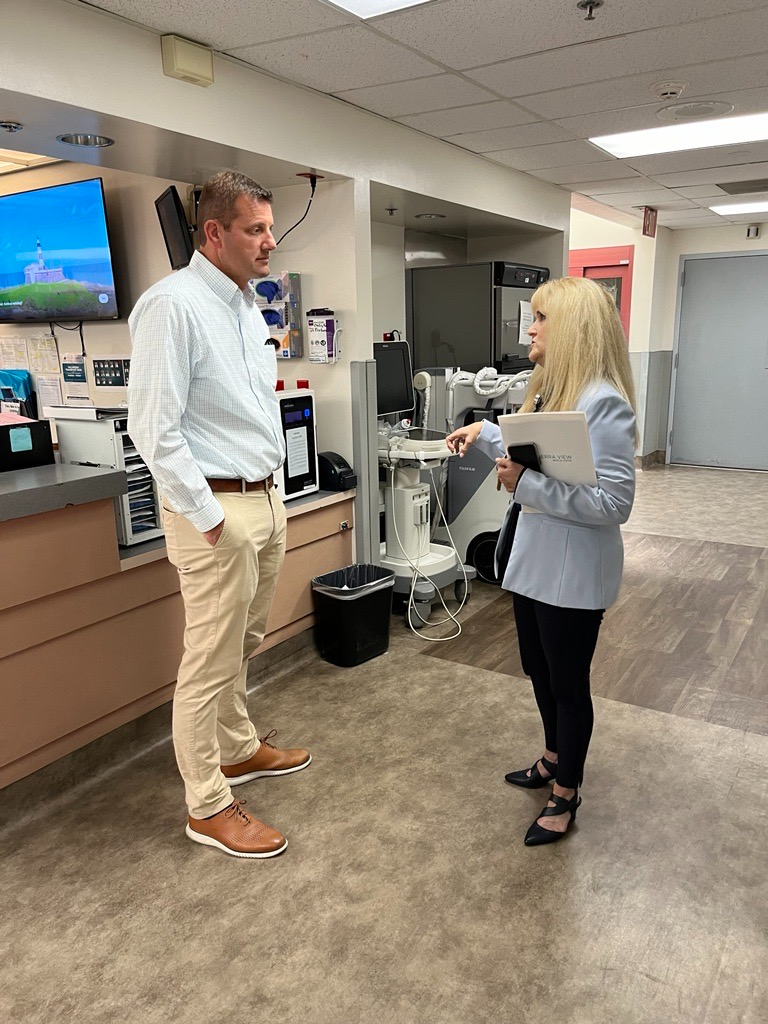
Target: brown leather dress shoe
{"x":267,"y":760}
{"x":238,"y":833}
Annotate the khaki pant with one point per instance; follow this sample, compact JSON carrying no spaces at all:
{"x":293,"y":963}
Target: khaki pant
{"x":227,"y":591}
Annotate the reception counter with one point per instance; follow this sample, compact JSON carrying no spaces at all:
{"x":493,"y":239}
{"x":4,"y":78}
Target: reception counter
{"x":91,"y":633}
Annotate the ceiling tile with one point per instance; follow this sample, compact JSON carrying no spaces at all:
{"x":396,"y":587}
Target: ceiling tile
{"x":713,"y":175}
{"x":709,"y":80}
{"x":457,"y":34}
{"x":511,"y":138}
{"x":438,"y":92}
{"x":224,"y":25}
{"x":626,"y":54}
{"x":500,"y":114}
{"x":717,"y":156}
{"x":559,"y":154}
{"x":681,"y":206}
{"x":609,"y":122}
{"x":689,"y":218}
{"x":583,"y":172}
{"x":701,"y":192}
{"x":622,"y":184}
{"x":344,"y":58}
{"x":647,"y":197}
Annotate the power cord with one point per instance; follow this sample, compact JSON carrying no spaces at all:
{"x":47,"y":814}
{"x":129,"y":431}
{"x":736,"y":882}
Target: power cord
{"x":78,"y":327}
{"x":312,"y":186}
{"x":411,"y":608}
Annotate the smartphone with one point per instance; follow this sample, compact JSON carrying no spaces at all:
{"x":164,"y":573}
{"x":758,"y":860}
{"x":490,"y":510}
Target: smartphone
{"x":525,"y":455}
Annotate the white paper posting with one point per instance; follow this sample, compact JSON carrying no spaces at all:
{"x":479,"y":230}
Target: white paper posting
{"x":525,"y":316}
{"x":13,"y":354}
{"x":297,"y":451}
{"x":48,"y":388}
{"x":43,"y":354}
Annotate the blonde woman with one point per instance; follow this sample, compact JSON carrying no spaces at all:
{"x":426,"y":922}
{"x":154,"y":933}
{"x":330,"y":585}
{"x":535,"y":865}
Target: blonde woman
{"x":566,"y":561}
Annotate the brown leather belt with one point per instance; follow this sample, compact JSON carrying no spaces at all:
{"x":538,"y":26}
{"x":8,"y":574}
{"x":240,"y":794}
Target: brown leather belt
{"x":240,"y":486}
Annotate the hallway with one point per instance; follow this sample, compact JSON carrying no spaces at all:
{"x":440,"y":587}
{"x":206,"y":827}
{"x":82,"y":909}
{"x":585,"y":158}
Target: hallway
{"x":406,"y":894}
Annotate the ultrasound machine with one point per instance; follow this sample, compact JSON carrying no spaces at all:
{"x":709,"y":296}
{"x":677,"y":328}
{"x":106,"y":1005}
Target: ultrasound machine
{"x":406,"y":457}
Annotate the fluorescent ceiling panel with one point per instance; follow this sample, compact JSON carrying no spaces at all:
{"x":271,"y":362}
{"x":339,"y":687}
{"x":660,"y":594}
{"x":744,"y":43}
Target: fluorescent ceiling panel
{"x":733,"y":208}
{"x":677,"y":138}
{"x":371,"y":8}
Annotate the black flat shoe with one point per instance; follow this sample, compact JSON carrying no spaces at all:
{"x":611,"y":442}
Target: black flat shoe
{"x":538,"y":836}
{"x":531,"y":778}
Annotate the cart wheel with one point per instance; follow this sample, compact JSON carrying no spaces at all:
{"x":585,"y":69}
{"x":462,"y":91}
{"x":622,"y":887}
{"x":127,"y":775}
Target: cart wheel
{"x":418,"y":614}
{"x":462,"y":589}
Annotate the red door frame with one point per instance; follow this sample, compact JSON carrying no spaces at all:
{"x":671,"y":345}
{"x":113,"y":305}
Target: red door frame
{"x":580,"y":260}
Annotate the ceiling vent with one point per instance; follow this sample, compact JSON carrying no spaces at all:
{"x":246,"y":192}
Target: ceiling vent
{"x":694,"y":111}
{"x":744,"y":188}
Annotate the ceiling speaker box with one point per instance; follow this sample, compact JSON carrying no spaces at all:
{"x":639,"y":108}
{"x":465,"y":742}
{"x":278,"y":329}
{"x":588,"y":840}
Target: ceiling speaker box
{"x":188,"y":61}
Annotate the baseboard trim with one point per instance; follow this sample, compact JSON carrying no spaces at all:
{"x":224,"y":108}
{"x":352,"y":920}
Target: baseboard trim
{"x":656,"y":458}
{"x":20,"y":783}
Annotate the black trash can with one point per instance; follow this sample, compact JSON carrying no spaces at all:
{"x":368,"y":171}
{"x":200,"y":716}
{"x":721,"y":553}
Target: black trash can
{"x":353,"y":607}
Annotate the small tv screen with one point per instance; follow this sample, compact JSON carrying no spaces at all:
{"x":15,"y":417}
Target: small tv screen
{"x":55,"y":258}
{"x":176,"y":231}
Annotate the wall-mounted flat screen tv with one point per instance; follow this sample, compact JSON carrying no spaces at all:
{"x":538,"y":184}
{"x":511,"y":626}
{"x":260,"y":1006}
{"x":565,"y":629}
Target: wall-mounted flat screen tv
{"x":55,"y":258}
{"x":176,"y":230}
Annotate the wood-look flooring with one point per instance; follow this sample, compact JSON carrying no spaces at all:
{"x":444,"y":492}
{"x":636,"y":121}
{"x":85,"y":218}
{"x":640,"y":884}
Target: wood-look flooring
{"x":688,"y":636}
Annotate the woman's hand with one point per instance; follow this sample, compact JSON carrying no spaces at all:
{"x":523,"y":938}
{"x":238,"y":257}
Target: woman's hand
{"x":508,"y":473}
{"x":464,"y":438}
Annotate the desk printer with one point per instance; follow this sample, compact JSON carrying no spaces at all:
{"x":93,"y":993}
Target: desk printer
{"x":336,"y":474}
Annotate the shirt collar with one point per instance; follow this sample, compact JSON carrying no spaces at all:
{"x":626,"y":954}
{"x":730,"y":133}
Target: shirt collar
{"x":221,"y":285}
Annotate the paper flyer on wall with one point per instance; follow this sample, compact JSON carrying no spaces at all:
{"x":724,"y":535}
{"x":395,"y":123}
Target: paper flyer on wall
{"x":525,"y":317}
{"x":48,"y":388}
{"x":75,"y":382}
{"x":43,"y":354}
{"x":562,"y":442}
{"x":13,"y":354}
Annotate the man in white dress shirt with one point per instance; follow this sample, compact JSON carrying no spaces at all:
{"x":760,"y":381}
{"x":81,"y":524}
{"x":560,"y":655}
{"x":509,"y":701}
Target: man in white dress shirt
{"x":204,"y":415}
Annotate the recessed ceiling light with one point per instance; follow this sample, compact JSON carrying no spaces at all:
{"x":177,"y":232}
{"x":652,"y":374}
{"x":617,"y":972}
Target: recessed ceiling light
{"x":683,"y":137}
{"x":86,"y":140}
{"x":733,"y":208}
{"x":371,"y":8}
{"x":429,"y":216}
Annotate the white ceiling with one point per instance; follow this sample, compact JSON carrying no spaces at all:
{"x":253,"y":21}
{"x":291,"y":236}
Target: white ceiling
{"x":525,"y":84}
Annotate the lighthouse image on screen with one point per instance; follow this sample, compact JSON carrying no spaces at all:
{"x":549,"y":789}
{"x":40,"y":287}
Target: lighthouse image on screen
{"x":55,"y":260}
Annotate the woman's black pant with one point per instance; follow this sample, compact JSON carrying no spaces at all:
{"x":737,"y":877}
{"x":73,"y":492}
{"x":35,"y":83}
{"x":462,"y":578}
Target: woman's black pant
{"x":556,"y":648}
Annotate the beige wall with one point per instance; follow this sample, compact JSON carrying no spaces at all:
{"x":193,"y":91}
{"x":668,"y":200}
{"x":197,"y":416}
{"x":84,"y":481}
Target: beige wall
{"x":590,"y":232}
{"x":388,"y":274}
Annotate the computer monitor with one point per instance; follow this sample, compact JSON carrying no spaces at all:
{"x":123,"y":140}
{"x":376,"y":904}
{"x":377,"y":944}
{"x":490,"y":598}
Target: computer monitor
{"x":394,"y":378}
{"x":176,"y":230}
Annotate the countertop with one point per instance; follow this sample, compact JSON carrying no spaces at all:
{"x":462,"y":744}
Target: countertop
{"x":27,"y":492}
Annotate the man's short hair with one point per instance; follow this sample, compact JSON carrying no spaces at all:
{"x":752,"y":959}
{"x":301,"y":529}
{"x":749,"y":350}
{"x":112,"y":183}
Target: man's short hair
{"x":219,"y":196}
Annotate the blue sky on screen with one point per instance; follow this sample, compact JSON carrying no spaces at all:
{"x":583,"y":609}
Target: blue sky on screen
{"x":68,"y":220}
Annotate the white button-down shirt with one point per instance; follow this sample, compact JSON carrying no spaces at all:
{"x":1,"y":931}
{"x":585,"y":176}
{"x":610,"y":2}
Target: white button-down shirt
{"x":201,"y":392}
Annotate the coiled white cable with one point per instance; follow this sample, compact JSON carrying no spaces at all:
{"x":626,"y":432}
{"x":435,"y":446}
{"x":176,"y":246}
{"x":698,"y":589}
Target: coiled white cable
{"x":419,"y":574}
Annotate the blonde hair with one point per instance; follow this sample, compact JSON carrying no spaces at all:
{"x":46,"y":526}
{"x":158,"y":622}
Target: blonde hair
{"x":585,"y":344}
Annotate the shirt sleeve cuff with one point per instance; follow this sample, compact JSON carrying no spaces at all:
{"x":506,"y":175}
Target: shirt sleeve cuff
{"x":210,"y":515}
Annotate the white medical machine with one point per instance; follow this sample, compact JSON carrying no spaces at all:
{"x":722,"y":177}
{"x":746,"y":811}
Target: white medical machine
{"x":422,"y":566}
{"x":474,"y":508}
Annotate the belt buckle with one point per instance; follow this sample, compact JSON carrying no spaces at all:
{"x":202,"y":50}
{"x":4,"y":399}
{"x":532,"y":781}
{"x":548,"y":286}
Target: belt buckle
{"x":242,"y":485}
